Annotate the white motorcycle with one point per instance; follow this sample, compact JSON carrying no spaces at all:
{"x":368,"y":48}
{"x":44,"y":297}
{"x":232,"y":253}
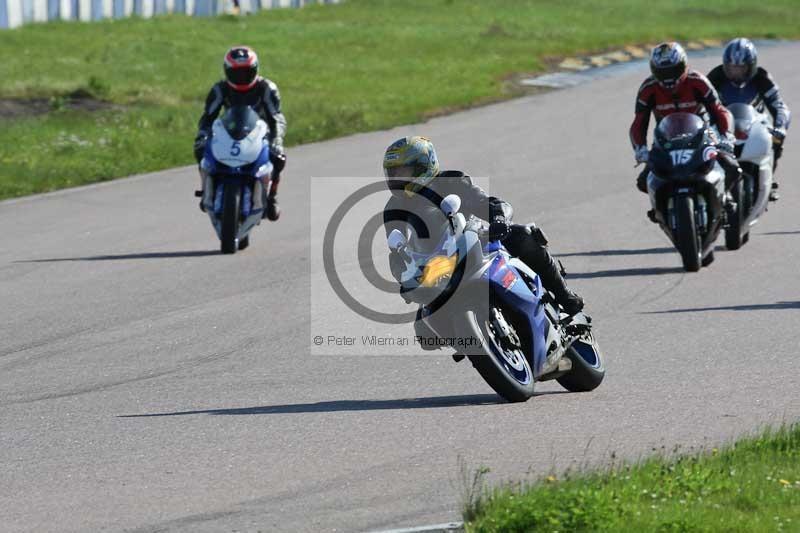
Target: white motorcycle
{"x":753,"y":150}
{"x":236,"y":172}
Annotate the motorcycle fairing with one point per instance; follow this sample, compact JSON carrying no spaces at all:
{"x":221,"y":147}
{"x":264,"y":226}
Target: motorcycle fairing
{"x":233,"y":153}
{"x":522,"y":298}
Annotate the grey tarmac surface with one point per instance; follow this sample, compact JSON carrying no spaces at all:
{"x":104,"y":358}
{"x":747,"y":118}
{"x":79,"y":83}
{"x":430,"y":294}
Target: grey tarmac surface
{"x":115,"y":303}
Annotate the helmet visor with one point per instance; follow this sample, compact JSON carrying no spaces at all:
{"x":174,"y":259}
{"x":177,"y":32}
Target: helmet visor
{"x":405,"y":171}
{"x":669,"y":74}
{"x":241,"y":75}
{"x":737,"y":73}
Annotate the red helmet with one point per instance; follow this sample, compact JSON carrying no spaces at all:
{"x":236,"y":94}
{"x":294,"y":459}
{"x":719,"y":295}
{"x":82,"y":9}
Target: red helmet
{"x":241,"y":68}
{"x":668,"y":64}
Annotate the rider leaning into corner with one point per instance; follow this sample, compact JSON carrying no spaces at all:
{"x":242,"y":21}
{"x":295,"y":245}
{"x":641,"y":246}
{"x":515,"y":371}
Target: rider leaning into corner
{"x":413,"y":160}
{"x":739,"y":79}
{"x":243,"y":86}
{"x":672,"y":88}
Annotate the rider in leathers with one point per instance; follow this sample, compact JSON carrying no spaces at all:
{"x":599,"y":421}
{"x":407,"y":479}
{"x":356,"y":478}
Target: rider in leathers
{"x":413,"y":160}
{"x":243,"y":86}
{"x":673,"y":88}
{"x":739,"y":79}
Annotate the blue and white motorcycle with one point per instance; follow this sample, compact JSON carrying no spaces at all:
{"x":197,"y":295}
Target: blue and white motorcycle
{"x":492,"y":308}
{"x":236,"y":172}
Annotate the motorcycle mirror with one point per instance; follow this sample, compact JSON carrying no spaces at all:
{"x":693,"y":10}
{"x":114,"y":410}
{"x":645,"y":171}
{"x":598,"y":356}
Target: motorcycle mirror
{"x":450,"y":204}
{"x":396,"y":240}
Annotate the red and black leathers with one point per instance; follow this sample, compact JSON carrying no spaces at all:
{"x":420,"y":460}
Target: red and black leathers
{"x":693,"y":94}
{"x":524,"y":241}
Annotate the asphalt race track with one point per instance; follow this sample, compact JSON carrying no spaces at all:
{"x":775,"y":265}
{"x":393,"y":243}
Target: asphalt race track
{"x":115,"y":303}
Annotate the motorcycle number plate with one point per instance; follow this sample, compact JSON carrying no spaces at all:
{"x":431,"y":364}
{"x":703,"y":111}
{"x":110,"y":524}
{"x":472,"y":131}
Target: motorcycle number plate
{"x":235,"y":153}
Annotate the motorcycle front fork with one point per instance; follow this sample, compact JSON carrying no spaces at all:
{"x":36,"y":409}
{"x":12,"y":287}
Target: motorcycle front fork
{"x":700,"y":214}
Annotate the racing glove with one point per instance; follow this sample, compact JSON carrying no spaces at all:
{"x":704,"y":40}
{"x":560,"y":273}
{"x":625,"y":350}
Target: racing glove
{"x":778,"y":135}
{"x":727,"y":143}
{"x":499,"y":228}
{"x":200,"y":145}
{"x":641,"y":154}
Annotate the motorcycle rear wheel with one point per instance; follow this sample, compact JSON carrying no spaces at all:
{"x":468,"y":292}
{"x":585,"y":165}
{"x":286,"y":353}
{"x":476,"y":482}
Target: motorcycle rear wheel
{"x":588,"y":367}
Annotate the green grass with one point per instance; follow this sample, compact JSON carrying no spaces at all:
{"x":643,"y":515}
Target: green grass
{"x":751,"y":486}
{"x":361,"y":65}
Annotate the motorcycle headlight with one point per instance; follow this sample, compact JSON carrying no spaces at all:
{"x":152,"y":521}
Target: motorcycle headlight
{"x":437,"y":268}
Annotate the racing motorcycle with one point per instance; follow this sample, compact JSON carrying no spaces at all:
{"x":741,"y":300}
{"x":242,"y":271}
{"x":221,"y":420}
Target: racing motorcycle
{"x":492,"y":309}
{"x":235,"y":167}
{"x":686,"y":186}
{"x":753,"y":150}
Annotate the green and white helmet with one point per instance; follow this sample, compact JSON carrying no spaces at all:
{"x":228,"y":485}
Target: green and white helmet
{"x":413,"y":159}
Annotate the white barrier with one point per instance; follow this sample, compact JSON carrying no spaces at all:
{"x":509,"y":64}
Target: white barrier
{"x":14,"y":13}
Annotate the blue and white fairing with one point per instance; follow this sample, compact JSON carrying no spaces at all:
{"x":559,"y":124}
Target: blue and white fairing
{"x":246,"y":157}
{"x":502,"y":272}
{"x":246,"y":160}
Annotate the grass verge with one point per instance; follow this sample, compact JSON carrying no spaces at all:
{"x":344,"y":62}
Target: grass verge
{"x":357,"y":66}
{"x":751,"y":486}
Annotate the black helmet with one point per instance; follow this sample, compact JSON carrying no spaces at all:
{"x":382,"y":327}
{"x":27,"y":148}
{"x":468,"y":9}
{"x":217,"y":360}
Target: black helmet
{"x":668,"y":64}
{"x":241,"y":68}
{"x":740,"y":60}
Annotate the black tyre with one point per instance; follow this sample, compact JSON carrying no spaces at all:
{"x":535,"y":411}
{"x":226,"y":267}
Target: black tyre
{"x":231,"y":196}
{"x":686,"y":233}
{"x":748,"y":202}
{"x":244,"y":243}
{"x":505,"y":369}
{"x":588,"y":367}
{"x":733,"y":233}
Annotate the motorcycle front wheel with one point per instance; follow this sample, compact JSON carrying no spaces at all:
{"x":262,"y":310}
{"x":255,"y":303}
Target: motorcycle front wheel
{"x":733,"y":233}
{"x":505,"y":368}
{"x":686,"y":233}
{"x":231,"y":197}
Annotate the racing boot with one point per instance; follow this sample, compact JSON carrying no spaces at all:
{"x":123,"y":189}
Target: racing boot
{"x":553,"y":280}
{"x":199,"y":194}
{"x":773,"y":193}
{"x":532,"y":249}
{"x":570,"y":301}
{"x":273,"y":210}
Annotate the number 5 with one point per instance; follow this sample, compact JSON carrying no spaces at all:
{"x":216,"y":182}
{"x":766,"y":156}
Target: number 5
{"x":235,"y":149}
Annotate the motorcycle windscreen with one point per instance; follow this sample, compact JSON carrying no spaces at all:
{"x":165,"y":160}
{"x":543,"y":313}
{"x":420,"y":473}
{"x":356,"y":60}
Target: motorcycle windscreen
{"x":680,"y":130}
{"x":240,"y":121}
{"x":743,"y":117}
